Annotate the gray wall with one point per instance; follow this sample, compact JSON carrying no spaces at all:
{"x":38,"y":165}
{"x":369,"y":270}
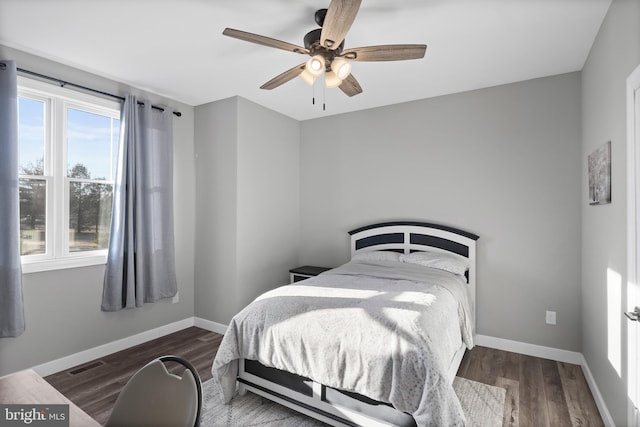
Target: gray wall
{"x":247,"y":204}
{"x":216,"y":134}
{"x":268,"y":199}
{"x":502,"y":162}
{"x":62,"y":308}
{"x":614,"y":55}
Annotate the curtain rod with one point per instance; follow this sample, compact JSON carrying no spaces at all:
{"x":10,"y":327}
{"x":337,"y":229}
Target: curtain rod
{"x":63,"y":83}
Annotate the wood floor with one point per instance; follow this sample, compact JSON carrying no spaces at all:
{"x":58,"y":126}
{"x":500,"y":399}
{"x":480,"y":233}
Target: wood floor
{"x":540,"y":392}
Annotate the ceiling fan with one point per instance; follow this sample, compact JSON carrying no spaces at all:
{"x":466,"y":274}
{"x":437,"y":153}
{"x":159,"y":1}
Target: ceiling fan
{"x":325,"y":45}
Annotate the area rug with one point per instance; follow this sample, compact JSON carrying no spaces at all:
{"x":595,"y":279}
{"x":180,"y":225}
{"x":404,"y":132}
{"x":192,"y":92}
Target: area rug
{"x":482,"y":404}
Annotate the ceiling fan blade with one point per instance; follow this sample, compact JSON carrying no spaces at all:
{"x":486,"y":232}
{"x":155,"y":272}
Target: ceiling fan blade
{"x":281,"y":79}
{"x":390,"y":52}
{"x":340,"y":16}
{"x":350,"y":86}
{"x":265,"y":41}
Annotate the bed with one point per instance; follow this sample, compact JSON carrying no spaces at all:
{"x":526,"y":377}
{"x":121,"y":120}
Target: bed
{"x":374,"y":342}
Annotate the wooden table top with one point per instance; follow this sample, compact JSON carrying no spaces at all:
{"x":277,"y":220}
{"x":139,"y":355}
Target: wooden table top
{"x":27,"y":387}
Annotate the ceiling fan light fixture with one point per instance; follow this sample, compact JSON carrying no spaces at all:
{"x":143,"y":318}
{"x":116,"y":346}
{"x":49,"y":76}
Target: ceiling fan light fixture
{"x":315,"y":65}
{"x":331,"y":80}
{"x":341,"y":67}
{"x":308,"y":77}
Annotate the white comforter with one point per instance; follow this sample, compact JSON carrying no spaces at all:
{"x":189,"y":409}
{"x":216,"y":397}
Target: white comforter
{"x":385,"y":330}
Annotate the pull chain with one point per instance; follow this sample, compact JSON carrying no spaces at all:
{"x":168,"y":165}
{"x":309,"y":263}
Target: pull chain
{"x":313,"y":95}
{"x":324,"y":91}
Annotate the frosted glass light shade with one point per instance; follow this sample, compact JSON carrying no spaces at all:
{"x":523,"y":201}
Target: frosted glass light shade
{"x":315,"y":65}
{"x":331,"y":80}
{"x":341,"y":67}
{"x":308,"y":77}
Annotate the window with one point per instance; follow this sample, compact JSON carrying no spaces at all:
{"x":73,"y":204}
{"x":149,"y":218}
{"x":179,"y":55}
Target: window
{"x":68,"y":153}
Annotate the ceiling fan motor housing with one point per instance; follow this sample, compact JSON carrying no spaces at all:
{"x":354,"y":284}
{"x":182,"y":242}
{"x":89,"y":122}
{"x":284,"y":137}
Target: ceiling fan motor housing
{"x":312,"y":42}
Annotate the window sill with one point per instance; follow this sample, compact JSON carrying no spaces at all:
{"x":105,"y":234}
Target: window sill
{"x":37,"y":266}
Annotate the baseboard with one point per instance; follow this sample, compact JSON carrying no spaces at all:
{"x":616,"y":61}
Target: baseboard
{"x":530,"y":349}
{"x":210,"y":325}
{"x":552,"y":354}
{"x":602,"y":407}
{"x":88,"y":355}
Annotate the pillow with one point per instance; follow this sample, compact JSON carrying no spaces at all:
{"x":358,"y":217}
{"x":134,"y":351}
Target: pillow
{"x":376,"y":256}
{"x":453,"y":263}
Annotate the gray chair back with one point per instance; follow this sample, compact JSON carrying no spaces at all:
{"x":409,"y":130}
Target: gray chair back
{"x":154,"y":397}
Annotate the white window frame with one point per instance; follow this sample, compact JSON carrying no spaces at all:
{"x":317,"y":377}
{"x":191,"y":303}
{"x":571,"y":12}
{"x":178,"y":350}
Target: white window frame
{"x":57,"y":100}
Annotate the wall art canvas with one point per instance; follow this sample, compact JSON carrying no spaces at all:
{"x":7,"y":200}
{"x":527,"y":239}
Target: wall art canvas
{"x":600,"y":175}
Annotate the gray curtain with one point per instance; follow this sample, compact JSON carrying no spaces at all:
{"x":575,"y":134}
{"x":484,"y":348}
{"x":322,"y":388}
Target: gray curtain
{"x":141,"y":264}
{"x":11,"y":309}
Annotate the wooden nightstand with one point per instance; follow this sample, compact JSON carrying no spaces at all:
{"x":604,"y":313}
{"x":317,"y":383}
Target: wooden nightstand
{"x":306,"y":271}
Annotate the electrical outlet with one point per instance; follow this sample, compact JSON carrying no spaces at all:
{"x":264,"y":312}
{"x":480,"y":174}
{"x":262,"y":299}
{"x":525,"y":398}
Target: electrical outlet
{"x":551,"y":317}
{"x":176,"y":297}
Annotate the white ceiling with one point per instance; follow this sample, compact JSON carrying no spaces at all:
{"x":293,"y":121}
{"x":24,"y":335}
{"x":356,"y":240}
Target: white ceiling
{"x":176,"y":48}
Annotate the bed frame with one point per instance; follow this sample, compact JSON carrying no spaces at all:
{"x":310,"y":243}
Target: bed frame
{"x":339,"y":408}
